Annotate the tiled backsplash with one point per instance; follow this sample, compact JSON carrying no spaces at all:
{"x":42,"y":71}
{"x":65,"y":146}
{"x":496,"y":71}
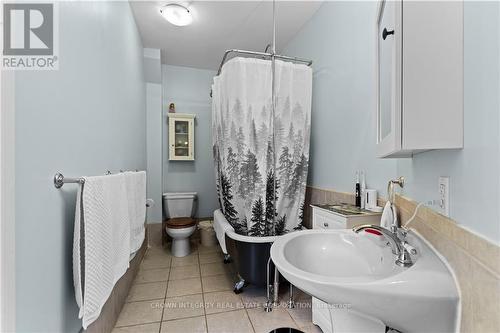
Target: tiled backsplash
{"x":475,"y":261}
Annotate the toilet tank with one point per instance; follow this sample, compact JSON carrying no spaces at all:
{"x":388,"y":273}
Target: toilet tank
{"x":179,"y":204}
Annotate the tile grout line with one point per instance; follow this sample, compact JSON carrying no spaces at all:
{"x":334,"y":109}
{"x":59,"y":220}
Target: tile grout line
{"x":134,"y":325}
{"x":166,"y":289}
{"x":293,"y":320}
{"x":137,"y":301}
{"x":244,"y":305}
{"x":232,"y":310}
{"x":250,"y":320}
{"x":144,"y":300}
{"x":202,"y":292}
{"x":127,"y":302}
{"x":142,"y":283}
{"x":184,"y":278}
{"x":287,"y":310}
{"x":220,"y":291}
{"x":182,"y":318}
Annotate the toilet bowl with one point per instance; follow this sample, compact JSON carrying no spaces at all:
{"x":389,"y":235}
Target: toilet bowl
{"x":180,"y":225}
{"x":180,"y":229}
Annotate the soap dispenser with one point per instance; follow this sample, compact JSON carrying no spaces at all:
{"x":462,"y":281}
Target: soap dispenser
{"x":363,"y":190}
{"x":358,"y":191}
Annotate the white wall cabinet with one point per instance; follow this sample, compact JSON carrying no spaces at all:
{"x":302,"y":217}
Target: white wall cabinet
{"x":181,"y":136}
{"x":419,"y":77}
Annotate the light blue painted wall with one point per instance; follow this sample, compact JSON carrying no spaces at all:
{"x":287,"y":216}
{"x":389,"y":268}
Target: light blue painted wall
{"x":152,"y":69}
{"x":339,"y":39}
{"x":154,"y":153}
{"x":84,"y":119}
{"x":189,"y":89}
{"x":473,"y":171}
{"x":152,"y":65}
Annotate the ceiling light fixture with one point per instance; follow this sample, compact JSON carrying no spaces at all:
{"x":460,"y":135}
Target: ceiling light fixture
{"x":176,"y":14}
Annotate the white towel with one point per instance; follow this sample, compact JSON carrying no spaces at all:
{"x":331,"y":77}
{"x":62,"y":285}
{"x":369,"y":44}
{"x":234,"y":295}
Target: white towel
{"x":136,"y":195}
{"x":387,"y":216}
{"x":221,"y":226}
{"x":101,"y":245}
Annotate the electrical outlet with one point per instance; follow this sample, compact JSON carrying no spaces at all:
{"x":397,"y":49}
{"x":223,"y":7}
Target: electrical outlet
{"x":444,"y":195}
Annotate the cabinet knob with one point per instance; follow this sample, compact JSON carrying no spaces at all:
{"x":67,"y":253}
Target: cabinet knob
{"x":325,"y":224}
{"x":386,"y":33}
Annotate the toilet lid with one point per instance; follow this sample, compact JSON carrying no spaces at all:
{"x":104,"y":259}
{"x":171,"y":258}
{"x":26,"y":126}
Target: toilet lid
{"x":180,"y":222}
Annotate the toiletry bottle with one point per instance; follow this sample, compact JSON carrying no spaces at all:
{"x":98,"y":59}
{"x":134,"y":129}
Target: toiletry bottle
{"x":363,"y":190}
{"x":358,"y":191}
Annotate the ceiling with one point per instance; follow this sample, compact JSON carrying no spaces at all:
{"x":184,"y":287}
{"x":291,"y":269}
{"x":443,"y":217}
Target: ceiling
{"x":218,"y":26}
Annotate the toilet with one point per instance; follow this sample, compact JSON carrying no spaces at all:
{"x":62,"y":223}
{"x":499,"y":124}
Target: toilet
{"x":179,"y":209}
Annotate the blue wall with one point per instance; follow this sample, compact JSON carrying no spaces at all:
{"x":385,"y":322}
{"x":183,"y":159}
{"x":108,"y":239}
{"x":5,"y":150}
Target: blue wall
{"x":189,"y":89}
{"x":473,"y":171}
{"x":152,"y":70}
{"x":339,"y":39}
{"x":84,"y":119}
{"x":154,"y":153}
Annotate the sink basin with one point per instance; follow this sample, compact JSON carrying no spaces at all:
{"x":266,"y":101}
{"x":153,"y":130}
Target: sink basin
{"x":359,"y":270}
{"x":341,"y":257}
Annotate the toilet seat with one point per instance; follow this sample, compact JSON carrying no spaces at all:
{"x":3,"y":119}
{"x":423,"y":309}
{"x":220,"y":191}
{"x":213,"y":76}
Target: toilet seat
{"x":180,"y":222}
{"x":180,"y":229}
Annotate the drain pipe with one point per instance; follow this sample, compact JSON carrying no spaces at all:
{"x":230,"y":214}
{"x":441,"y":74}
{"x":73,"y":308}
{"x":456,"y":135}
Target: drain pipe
{"x":276,"y":287}
{"x":291,"y":302}
{"x":149,"y":203}
{"x":268,"y":307}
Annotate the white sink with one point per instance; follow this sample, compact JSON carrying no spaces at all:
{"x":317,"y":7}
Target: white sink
{"x":357,"y":274}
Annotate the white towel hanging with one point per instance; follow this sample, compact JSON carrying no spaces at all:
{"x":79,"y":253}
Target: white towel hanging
{"x":136,"y":196}
{"x":101,"y":246}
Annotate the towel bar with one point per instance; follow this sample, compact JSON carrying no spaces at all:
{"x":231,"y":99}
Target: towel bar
{"x":60,"y":180}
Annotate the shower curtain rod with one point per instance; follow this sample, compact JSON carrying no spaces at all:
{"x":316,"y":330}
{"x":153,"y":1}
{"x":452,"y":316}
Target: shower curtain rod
{"x":260,"y":54}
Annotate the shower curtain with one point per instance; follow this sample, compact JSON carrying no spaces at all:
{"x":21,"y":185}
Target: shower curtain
{"x":260,"y":164}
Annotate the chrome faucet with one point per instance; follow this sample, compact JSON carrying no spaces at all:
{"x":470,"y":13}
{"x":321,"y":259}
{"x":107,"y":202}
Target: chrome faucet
{"x":391,"y":198}
{"x":403,"y":257}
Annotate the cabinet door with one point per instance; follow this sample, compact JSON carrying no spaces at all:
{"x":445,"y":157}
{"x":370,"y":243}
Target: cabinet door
{"x":326,"y":220}
{"x":433,"y":58}
{"x":181,"y":139}
{"x":388,"y":78}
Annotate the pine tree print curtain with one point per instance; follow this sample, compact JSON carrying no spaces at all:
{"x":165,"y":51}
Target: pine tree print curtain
{"x":245,"y":144}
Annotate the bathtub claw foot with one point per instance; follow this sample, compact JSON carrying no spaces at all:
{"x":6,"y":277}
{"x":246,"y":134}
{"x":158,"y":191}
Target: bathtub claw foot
{"x":268,"y":307}
{"x":238,"y":286}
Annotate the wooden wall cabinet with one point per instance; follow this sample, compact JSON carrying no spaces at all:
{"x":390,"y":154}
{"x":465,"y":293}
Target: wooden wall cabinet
{"x":181,"y":136}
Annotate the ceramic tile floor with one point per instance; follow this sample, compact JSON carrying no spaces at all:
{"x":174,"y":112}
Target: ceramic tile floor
{"x":194,"y":294}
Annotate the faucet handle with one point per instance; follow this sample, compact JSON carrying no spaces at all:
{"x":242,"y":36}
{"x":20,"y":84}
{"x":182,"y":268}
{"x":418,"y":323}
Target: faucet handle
{"x":404,"y":259}
{"x":409,"y":248}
